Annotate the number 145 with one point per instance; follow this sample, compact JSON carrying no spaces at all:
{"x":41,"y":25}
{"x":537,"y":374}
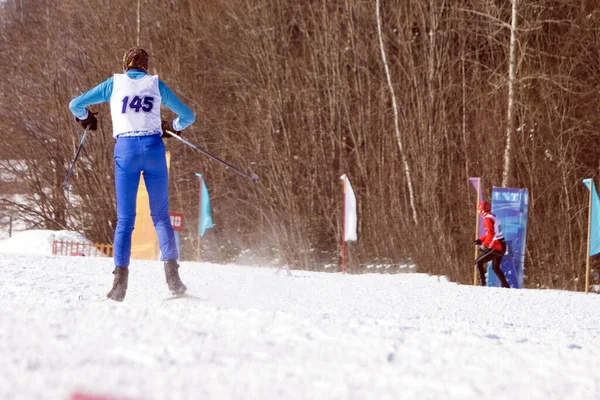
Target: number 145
{"x":138,"y":104}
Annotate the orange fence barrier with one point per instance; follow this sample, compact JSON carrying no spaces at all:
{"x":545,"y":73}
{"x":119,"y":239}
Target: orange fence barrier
{"x":66,"y":248}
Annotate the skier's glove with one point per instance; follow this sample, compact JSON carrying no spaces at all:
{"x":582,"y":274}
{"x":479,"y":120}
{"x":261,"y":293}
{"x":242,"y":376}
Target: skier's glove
{"x":168,"y":126}
{"x":90,"y":120}
{"x":477,"y":242}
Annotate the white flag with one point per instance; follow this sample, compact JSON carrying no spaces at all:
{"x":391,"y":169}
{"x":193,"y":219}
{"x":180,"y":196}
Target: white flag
{"x":350,"y":217}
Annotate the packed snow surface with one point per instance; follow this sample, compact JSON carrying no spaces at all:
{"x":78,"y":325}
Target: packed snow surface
{"x":253,"y":334}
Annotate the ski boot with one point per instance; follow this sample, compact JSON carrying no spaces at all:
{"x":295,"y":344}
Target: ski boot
{"x":481,"y":275}
{"x":173,"y":279}
{"x":501,"y":277}
{"x":119,"y":288}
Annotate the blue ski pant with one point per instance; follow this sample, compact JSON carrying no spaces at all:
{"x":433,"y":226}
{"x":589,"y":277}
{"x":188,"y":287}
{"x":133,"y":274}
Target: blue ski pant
{"x":134,"y":156}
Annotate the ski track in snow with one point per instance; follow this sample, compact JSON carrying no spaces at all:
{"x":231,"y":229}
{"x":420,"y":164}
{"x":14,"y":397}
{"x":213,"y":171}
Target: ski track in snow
{"x":253,"y":334}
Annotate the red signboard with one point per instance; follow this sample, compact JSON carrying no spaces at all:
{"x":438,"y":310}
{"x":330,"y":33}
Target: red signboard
{"x":176,"y":221}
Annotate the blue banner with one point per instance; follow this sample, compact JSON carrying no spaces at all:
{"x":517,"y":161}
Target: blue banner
{"x":511,"y":207}
{"x":594,"y":228}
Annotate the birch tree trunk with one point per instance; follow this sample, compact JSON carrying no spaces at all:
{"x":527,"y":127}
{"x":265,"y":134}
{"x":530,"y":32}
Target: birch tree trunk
{"x":139,"y":6}
{"x":510,"y":126}
{"x":396,"y":125}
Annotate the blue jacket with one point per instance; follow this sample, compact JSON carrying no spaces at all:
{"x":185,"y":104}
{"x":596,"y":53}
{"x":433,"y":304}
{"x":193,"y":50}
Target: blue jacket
{"x":103,"y":91}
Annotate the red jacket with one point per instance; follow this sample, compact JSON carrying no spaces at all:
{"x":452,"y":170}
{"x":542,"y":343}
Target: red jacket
{"x":493,"y":230}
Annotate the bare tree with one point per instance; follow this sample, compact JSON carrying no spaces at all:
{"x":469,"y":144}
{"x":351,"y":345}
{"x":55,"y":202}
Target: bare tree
{"x":512,"y":67}
{"x":395,"y":109}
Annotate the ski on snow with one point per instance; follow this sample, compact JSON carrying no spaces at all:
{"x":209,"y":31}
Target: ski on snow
{"x":184,"y":296}
{"x":170,"y":298}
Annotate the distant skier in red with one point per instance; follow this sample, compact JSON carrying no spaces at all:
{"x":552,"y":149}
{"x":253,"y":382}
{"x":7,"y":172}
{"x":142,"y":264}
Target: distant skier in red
{"x":492,"y":245}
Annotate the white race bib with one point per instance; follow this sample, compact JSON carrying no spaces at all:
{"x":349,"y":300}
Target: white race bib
{"x":135,"y":106}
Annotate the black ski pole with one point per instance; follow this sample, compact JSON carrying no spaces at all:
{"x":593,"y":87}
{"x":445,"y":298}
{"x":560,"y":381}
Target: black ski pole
{"x":252,"y":177}
{"x":65,"y":184}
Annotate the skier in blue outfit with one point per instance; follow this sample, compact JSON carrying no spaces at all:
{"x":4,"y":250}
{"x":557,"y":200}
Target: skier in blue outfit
{"x":135,"y":98}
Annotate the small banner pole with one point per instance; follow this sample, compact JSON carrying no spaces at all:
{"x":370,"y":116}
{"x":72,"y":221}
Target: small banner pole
{"x":478,"y":197}
{"x":587,"y":254}
{"x":344,"y":226}
{"x":199,"y":216}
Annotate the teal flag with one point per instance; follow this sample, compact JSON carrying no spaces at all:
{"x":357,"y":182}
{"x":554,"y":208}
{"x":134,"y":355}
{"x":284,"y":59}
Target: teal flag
{"x":205,"y":219}
{"x":594,"y":218}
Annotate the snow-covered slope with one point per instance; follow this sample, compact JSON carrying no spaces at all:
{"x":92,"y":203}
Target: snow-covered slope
{"x":253,"y":334}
